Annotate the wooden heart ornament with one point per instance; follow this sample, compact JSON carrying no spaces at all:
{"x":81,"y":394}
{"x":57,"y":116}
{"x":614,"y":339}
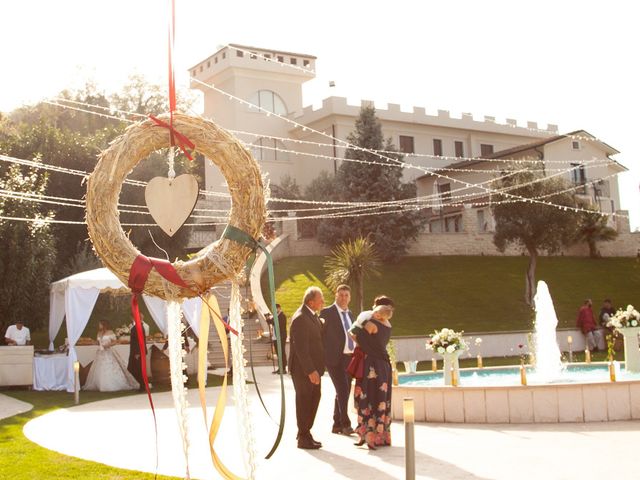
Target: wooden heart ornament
{"x":170,"y":202}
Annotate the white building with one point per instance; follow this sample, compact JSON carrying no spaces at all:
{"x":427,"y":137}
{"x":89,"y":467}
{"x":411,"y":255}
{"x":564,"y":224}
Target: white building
{"x":273,"y":81}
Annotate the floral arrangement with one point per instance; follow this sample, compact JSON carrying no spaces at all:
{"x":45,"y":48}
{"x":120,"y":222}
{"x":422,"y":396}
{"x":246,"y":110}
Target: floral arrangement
{"x":123,"y":331}
{"x":625,"y":318}
{"x":446,"y":341}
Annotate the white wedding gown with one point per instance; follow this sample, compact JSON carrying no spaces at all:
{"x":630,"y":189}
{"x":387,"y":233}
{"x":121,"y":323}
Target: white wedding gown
{"x":109,"y":372}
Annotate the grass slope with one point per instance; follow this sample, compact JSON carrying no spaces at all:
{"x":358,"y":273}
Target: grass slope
{"x":475,"y":294}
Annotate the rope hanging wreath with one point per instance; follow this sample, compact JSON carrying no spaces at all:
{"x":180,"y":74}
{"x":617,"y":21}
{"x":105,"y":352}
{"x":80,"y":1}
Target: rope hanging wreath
{"x":219,"y":261}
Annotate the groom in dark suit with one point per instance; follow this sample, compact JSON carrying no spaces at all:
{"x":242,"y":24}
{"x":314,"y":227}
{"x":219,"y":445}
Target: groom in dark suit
{"x":134,"y":366}
{"x":306,"y":363}
{"x":338,"y":350}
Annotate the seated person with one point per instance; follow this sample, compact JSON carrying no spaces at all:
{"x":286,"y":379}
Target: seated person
{"x":18,"y":334}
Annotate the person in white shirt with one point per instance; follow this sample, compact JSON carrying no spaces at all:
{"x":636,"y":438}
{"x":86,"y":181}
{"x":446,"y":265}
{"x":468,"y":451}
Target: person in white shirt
{"x":17,"y":334}
{"x":338,"y":350}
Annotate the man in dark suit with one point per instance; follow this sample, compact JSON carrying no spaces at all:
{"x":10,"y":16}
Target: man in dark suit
{"x":338,"y":350}
{"x":306,"y":363}
{"x":282,"y":326}
{"x":134,"y":365}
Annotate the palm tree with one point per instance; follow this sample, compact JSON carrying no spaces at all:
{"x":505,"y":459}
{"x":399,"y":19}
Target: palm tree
{"x":593,"y":228}
{"x":350,"y":263}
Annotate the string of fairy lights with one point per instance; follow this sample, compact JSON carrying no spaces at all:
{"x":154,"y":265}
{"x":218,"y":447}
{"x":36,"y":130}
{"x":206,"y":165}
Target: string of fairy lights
{"x":431,"y":171}
{"x":380,"y":208}
{"x":330,"y":209}
{"x":574,"y":164}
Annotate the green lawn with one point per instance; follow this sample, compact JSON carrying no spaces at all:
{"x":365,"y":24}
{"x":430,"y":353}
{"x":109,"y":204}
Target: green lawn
{"x":23,"y":460}
{"x":475,"y":294}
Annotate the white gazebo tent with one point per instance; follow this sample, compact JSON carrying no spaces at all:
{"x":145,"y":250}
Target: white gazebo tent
{"x":75,"y":297}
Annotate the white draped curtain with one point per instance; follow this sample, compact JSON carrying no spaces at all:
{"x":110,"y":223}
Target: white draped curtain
{"x":191,"y":309}
{"x":56,"y":314}
{"x":79,"y":303}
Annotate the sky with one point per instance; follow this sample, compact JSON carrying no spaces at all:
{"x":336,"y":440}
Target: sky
{"x":568,"y":63}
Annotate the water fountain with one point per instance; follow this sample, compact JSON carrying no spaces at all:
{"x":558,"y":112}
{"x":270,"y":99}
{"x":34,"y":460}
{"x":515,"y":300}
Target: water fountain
{"x":547,"y":353}
{"x":555,"y":393}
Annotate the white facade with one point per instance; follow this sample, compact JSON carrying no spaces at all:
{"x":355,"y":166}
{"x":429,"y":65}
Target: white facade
{"x":274,"y":79}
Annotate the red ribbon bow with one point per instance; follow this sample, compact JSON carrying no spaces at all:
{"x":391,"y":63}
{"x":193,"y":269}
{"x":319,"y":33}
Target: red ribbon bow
{"x":182,"y":141}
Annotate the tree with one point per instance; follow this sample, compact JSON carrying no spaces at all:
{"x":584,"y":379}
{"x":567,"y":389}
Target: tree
{"x":83,"y":261}
{"x":27,"y":251}
{"x":533,"y":226}
{"x":287,"y":189}
{"x":593,"y":228}
{"x":73,"y":140}
{"x":321,"y":188}
{"x":373,"y":178}
{"x":351,"y":263}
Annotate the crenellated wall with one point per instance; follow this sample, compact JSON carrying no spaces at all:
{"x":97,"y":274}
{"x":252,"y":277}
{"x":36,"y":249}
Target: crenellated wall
{"x":419,"y":115}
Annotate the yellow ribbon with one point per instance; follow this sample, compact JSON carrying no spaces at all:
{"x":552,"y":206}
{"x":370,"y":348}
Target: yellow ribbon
{"x":210,"y":307}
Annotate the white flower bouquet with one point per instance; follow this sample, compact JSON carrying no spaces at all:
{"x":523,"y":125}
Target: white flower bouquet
{"x":446,"y":341}
{"x":123,"y":331}
{"x":625,"y":318}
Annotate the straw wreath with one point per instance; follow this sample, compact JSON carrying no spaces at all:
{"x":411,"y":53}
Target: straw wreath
{"x":215,"y":263}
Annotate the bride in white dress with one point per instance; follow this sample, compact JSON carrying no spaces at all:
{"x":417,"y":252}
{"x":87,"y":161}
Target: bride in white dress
{"x":109,"y":372}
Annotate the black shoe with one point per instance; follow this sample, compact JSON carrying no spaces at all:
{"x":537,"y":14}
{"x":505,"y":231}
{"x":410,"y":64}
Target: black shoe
{"x":308,"y":443}
{"x":347,"y":431}
{"x":336,"y":430}
{"x":360,"y":443}
{"x":315,"y":442}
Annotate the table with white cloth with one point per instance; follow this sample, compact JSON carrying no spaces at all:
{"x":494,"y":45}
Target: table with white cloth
{"x":87,"y":353}
{"x":50,"y":372}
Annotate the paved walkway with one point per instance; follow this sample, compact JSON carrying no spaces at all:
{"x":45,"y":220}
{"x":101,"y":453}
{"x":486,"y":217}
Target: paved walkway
{"x":119,"y":432}
{"x":10,"y":406}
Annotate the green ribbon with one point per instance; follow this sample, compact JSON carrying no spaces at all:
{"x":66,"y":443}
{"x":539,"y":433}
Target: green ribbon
{"x":243,"y":238}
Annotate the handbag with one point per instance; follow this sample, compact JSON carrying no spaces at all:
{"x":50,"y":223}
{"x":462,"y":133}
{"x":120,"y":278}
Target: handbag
{"x":356,"y":365}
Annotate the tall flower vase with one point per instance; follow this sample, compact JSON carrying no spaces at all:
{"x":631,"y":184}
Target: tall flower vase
{"x":451,"y":363}
{"x":631,"y":348}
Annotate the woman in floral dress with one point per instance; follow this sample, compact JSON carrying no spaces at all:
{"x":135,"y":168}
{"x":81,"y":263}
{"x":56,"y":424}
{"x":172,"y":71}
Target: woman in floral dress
{"x":373,"y":390}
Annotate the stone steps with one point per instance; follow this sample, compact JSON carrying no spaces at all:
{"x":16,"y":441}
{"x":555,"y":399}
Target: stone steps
{"x":260,"y":347}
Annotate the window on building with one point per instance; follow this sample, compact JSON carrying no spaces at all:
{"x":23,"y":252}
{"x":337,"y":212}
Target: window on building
{"x":406,"y":144}
{"x":459,"y":146}
{"x":280,"y":58}
{"x":200,"y":67}
{"x":224,"y":55}
{"x":294,"y":61}
{"x":578,"y":174}
{"x":194,"y":73}
{"x":575,"y":144}
{"x":269,"y":101}
{"x":208,"y":63}
{"x":239,"y":53}
{"x":267,"y":55}
{"x":215,"y":59}
{"x":486,"y":149}
{"x":483,"y":225}
{"x":305,"y":63}
{"x":444,"y":190}
{"x":253,"y":55}
{"x":453,"y":224}
{"x":602,"y":188}
{"x":437,"y":147}
{"x":435,"y":226}
{"x":269,"y":149}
